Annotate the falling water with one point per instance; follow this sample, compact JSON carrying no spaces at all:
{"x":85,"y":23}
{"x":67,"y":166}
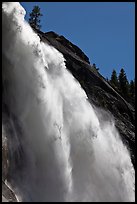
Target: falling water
{"x":60,"y":148}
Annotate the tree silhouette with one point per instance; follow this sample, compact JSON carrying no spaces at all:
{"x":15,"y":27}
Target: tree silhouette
{"x":123,"y":84}
{"x":34,"y":19}
{"x":114,"y":79}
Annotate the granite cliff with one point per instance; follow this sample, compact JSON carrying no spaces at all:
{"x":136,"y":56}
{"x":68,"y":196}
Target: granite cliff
{"x":99,"y":92}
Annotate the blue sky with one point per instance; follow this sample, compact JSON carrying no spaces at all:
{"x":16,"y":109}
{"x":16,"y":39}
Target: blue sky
{"x":105,"y":31}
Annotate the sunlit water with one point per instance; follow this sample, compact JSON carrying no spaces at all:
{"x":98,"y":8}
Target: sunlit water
{"x":68,"y":152}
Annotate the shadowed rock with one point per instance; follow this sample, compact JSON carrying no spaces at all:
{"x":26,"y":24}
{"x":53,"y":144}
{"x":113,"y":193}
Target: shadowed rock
{"x":98,"y":90}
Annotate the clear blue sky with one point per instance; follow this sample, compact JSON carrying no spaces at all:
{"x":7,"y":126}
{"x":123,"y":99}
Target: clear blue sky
{"x":105,"y":31}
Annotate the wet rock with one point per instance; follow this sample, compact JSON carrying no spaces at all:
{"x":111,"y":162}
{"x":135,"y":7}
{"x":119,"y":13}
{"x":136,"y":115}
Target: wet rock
{"x":98,"y":90}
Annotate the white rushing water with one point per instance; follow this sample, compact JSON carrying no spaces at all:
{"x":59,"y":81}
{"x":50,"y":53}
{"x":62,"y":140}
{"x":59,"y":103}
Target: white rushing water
{"x":70,"y":154}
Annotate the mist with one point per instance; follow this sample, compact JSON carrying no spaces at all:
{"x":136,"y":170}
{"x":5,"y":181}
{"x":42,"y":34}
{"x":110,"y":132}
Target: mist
{"x":64,"y":149}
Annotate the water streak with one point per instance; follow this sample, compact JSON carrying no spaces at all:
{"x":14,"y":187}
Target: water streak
{"x":67,"y":152}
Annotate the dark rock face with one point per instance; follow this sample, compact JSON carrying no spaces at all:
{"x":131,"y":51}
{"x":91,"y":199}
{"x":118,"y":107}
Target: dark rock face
{"x":11,"y":158}
{"x":56,"y":40}
{"x":7,"y":194}
{"x":99,"y":92}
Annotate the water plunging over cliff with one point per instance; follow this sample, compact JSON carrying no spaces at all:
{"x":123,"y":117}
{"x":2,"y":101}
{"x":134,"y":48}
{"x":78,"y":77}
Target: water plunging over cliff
{"x":60,"y":148}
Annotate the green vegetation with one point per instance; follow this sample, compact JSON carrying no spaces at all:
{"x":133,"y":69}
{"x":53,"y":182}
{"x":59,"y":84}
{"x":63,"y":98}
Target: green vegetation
{"x":34,"y":19}
{"x":114,"y":80}
{"x":121,"y":85}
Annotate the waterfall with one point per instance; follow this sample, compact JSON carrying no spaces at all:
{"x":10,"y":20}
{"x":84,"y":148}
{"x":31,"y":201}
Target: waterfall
{"x":60,"y":147}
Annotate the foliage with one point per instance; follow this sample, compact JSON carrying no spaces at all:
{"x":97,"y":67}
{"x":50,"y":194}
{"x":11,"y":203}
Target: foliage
{"x":132,"y":88}
{"x":34,"y":19}
{"x":121,"y":84}
{"x":114,"y":79}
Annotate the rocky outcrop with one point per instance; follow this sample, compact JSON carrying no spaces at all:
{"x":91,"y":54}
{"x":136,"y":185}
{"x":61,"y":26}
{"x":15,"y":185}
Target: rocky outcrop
{"x":7,"y":194}
{"x":99,"y":92}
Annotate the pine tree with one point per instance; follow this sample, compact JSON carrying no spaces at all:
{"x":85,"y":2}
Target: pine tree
{"x":34,"y":19}
{"x":114,"y":79}
{"x":123,"y":84}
